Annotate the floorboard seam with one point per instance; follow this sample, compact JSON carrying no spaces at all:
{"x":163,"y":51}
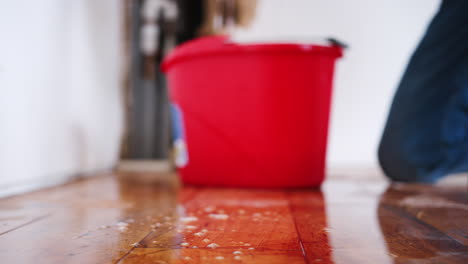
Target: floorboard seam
{"x":304,"y":253}
{"x":408,"y":215}
{"x":27,"y":223}
{"x":151,"y":232}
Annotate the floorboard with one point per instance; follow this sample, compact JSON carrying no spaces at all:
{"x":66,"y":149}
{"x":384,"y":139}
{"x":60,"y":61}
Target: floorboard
{"x":107,"y":219}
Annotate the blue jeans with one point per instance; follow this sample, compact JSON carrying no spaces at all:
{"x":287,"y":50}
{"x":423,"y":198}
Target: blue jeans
{"x":426,"y":134}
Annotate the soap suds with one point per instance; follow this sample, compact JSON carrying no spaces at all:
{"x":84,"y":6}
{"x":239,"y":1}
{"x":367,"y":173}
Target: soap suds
{"x":219,"y":216}
{"x":189,"y":219}
{"x":209,"y":209}
{"x":213,"y":245}
{"x":122,"y":226}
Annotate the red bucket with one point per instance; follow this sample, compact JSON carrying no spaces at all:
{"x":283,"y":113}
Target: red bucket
{"x":251,"y":115}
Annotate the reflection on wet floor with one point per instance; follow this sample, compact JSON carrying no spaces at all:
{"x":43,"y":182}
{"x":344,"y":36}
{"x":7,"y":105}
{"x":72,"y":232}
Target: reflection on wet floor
{"x":109,"y":220}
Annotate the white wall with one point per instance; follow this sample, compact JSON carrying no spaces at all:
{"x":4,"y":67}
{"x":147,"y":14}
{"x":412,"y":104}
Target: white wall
{"x":381,"y":35}
{"x":60,"y":102}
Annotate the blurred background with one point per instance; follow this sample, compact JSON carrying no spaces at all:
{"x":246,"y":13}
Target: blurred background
{"x":81,"y":88}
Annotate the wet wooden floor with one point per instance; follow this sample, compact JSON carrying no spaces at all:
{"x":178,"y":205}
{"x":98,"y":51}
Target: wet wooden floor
{"x":105,"y":219}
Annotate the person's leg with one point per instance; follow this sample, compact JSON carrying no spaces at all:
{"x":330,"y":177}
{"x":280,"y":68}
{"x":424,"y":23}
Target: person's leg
{"x":426,"y":135}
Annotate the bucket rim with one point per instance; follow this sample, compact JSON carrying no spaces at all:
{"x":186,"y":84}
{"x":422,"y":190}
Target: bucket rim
{"x":221,"y":45}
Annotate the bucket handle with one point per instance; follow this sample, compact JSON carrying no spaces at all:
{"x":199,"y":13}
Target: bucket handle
{"x":329,"y":40}
{"x":336,"y":42}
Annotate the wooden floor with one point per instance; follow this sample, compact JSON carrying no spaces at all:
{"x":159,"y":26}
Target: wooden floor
{"x":109,"y":220}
